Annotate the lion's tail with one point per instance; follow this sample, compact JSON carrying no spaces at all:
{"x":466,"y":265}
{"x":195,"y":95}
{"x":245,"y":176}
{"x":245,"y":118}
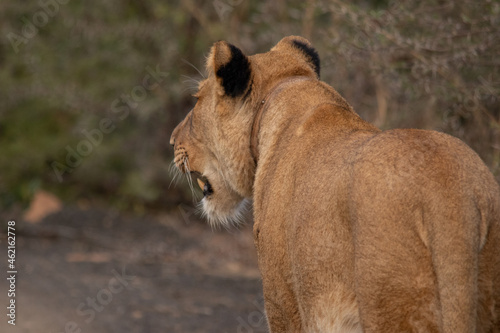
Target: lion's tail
{"x":489,"y":272}
{"x":455,"y":263}
{"x":467,"y":264}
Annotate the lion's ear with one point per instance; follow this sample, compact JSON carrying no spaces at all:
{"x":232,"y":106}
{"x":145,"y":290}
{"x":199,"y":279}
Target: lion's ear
{"x":303,"y":48}
{"x":231,"y":67}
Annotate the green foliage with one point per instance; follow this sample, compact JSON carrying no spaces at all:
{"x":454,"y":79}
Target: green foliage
{"x":430,"y":64}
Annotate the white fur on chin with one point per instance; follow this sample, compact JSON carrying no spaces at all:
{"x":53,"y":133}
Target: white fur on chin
{"x":216,"y":218}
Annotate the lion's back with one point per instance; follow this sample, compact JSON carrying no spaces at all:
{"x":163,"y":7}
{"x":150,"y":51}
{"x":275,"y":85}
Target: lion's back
{"x":430,"y":208}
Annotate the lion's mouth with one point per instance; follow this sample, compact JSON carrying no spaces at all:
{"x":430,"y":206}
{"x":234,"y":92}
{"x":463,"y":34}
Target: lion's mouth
{"x":206,"y":187}
{"x":204,"y":184}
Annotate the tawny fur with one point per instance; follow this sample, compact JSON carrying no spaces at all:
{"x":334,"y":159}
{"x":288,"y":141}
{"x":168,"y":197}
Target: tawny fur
{"x":356,"y":230}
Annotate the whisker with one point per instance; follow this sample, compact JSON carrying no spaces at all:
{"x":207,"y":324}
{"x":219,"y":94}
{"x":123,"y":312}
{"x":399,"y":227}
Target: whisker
{"x":173,"y":167}
{"x":188,"y":78}
{"x":174,"y":179}
{"x":196,"y":68}
{"x":174,"y":172}
{"x":188,"y":176}
{"x":190,"y":83}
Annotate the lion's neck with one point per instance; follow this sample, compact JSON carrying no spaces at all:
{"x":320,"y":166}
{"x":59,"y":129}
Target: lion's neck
{"x":301,"y":107}
{"x":263,"y":106}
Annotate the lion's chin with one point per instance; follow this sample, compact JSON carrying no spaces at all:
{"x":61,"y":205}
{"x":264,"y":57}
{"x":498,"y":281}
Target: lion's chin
{"x":226,"y":213}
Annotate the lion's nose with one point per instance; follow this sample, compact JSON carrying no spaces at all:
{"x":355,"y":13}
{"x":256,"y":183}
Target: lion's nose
{"x":172,"y":137}
{"x":177,"y":130}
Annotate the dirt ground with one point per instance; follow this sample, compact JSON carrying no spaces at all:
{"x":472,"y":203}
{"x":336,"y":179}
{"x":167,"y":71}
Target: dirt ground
{"x":96,"y":270}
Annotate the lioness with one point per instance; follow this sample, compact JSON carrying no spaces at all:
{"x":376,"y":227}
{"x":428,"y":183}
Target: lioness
{"x":356,"y":230}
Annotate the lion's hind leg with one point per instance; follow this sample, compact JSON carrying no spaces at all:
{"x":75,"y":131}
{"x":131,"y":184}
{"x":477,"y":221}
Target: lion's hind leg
{"x":396,"y":288}
{"x":488,"y":318}
{"x":454,"y":243}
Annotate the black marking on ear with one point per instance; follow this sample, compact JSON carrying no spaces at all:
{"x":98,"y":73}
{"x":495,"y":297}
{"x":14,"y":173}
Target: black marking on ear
{"x":235,"y":74}
{"x":311,"y":53}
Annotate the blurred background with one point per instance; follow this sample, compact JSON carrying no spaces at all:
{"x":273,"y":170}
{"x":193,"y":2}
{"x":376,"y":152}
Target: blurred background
{"x":91,"y":91}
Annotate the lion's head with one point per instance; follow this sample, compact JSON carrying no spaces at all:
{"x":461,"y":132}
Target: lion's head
{"x":213,"y":142}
